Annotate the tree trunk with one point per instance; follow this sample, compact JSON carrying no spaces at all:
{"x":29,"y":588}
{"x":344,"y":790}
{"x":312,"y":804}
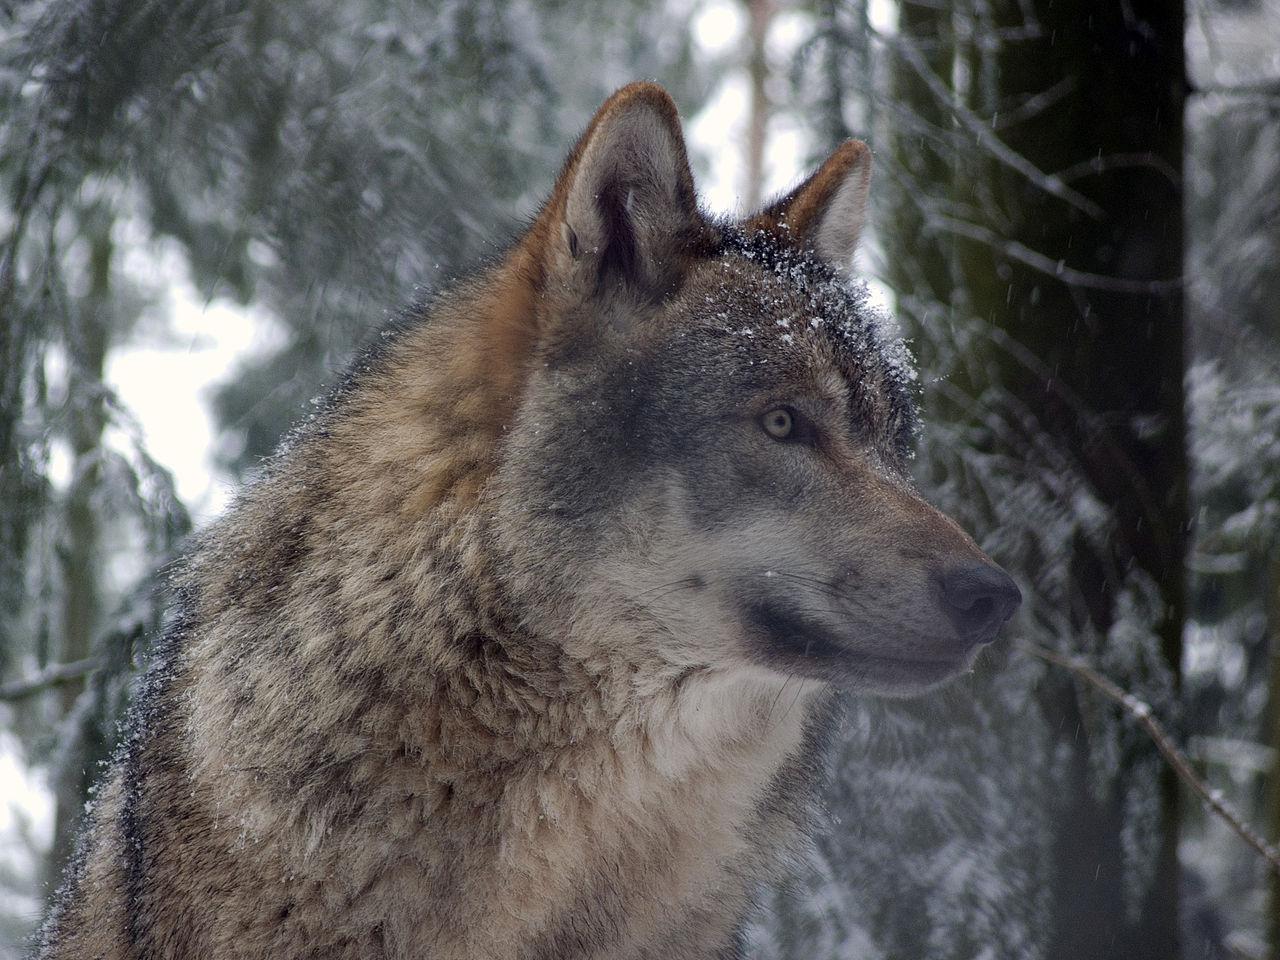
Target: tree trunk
{"x":1108,"y":384}
{"x":1273,"y":740}
{"x":80,"y":747}
{"x":759,"y":15}
{"x":1082,"y":272}
{"x":922,"y":169}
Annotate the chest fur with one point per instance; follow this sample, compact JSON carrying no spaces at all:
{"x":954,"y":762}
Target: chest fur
{"x":649,"y":846}
{"x":645,"y":843}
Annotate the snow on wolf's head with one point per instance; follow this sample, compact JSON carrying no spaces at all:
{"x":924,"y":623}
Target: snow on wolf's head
{"x":706,"y":467}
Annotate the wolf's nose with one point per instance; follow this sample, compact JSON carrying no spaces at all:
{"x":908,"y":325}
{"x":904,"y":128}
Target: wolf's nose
{"x":978,"y":600}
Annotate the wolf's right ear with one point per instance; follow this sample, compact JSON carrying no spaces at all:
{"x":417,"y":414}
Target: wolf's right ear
{"x":624,"y":210}
{"x":826,"y":213}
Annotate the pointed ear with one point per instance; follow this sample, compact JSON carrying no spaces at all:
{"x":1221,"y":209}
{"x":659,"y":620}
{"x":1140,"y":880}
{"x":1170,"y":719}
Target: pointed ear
{"x":624,"y":208}
{"x":827,"y":211}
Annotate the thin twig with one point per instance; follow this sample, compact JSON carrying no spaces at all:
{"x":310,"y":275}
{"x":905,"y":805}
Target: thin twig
{"x":1119,"y":161}
{"x":1054,"y":268}
{"x":48,"y":678}
{"x":1141,"y":712}
{"x":1036,"y":104}
{"x":985,"y":138}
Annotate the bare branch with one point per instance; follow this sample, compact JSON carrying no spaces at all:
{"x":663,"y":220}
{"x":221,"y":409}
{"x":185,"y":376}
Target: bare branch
{"x":1055,"y":268}
{"x":48,"y":678}
{"x":985,"y":138}
{"x":1114,"y":161}
{"x":1035,"y":104}
{"x":1141,"y":712}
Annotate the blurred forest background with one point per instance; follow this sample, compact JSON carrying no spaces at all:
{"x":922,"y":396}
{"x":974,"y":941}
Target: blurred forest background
{"x":1077,"y":223}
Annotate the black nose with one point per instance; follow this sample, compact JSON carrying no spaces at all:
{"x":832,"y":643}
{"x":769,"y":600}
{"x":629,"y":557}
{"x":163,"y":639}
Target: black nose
{"x":978,"y":600}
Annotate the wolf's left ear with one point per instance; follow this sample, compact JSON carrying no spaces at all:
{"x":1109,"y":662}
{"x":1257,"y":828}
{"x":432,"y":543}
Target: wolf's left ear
{"x":624,"y":209}
{"x":827,"y":211}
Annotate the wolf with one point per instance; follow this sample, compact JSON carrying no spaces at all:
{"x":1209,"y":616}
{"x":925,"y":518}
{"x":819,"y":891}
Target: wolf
{"x":527,"y":646}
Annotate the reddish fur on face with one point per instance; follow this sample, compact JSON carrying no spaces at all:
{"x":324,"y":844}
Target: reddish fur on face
{"x":493,"y":335}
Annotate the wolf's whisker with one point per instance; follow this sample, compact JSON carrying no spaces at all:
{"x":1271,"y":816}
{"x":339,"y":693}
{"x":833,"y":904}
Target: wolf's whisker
{"x":774,"y":705}
{"x":684,"y":581}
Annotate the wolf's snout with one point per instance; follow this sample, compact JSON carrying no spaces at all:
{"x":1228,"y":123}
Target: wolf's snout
{"x":978,"y":600}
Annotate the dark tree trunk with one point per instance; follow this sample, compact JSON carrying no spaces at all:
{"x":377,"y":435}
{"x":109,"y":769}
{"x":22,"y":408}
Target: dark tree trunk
{"x":1108,"y":383}
{"x":1272,"y":735}
{"x":1081,"y":271}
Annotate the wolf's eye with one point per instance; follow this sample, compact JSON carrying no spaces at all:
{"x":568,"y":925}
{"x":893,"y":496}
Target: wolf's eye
{"x":779,"y":423}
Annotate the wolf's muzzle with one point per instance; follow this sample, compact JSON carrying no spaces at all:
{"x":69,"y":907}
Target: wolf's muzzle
{"x":978,"y":600}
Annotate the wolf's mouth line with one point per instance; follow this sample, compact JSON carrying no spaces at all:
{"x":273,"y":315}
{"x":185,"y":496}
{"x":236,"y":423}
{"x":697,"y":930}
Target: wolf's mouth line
{"x":799,"y":633}
{"x":910,"y":661}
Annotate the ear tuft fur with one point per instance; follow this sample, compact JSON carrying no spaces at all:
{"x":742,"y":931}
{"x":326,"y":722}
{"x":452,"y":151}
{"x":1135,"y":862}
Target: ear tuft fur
{"x":826,"y":213}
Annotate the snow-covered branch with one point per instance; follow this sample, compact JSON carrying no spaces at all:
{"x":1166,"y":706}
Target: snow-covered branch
{"x":49,"y":677}
{"x":1141,"y":711}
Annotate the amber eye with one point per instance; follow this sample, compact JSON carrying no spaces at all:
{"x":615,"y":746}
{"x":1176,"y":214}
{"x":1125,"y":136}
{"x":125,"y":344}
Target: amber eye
{"x":778,"y":423}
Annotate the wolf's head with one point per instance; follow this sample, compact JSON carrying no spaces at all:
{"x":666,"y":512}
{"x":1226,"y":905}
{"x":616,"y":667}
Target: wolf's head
{"x":709,"y":455}
{"x":701,"y":433}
